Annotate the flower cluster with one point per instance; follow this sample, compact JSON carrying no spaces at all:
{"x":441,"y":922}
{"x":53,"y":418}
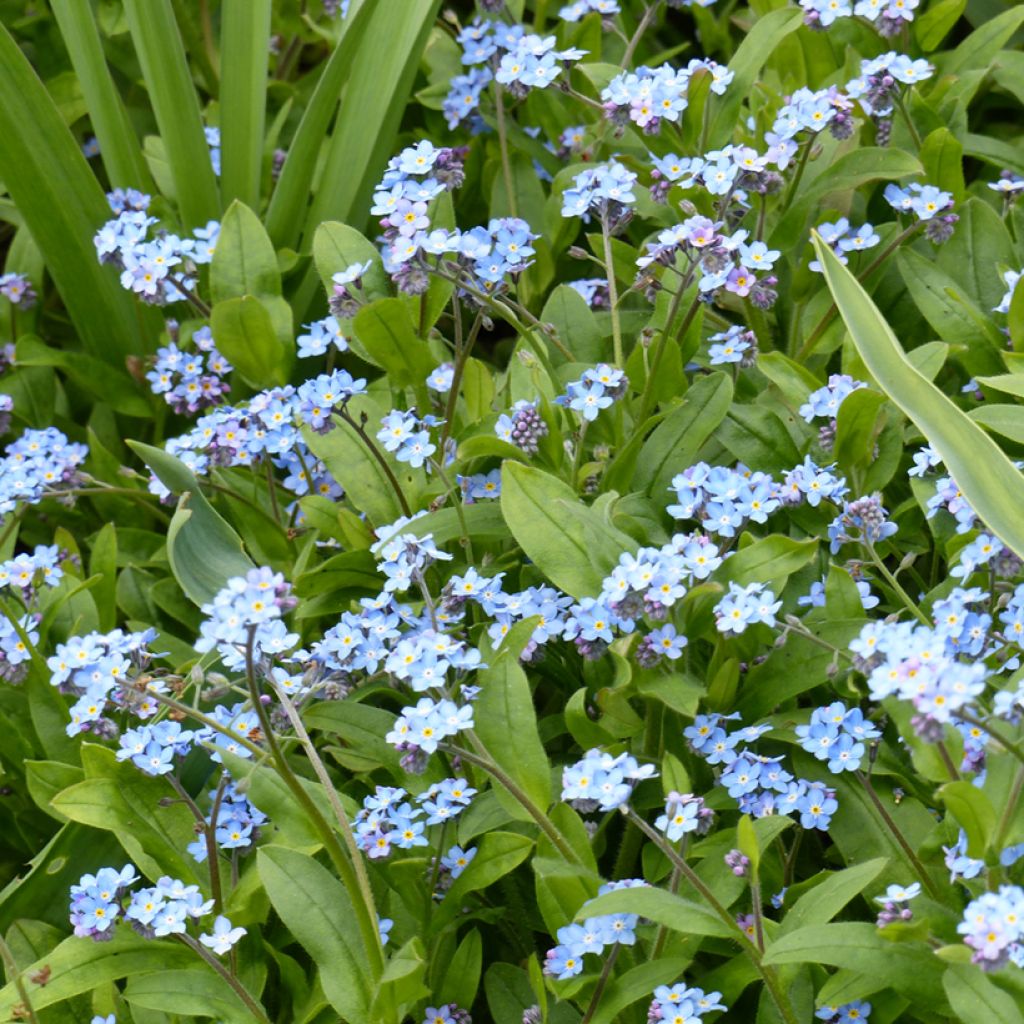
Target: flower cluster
{"x":736,"y":345}
{"x":681,"y":1004}
{"x":894,"y":903}
{"x":811,"y":111}
{"x":595,"y":390}
{"x":238,"y":821}
{"x":194,"y":381}
{"x":759,"y":784}
{"x":18,"y":290}
{"x":592,"y":936}
{"x":407,"y":436}
{"x":601,"y":781}
{"x":37,"y":463}
{"x":745,"y":606}
{"x":648,"y":96}
{"x":606,"y":189}
{"x":100,"y":669}
{"x":579,"y":9}
{"x":28,"y":571}
{"x":842,"y":240}
{"x":877,"y":87}
{"x":993,"y":926}
{"x":923,"y":201}
{"x":159,"y":269}
{"x":889,"y":15}
{"x":684,"y":813}
{"x":724,"y":261}
{"x":523,"y":426}
{"x":836,"y":734}
{"x":389,"y":820}
{"x":863,"y":521}
{"x":723,"y":499}
{"x":856,"y":1012}
{"x":825,"y":401}
{"x":323,"y":335}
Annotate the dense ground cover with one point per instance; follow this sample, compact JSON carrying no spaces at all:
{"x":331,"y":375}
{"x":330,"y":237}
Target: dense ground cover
{"x":509,"y":512}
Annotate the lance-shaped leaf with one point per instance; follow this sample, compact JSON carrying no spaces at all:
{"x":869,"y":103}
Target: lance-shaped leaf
{"x":986,"y":476}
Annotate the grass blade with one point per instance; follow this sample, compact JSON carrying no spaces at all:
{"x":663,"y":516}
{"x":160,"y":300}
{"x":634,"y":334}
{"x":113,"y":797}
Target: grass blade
{"x":62,"y":205}
{"x":176,"y":106}
{"x":288,"y":203}
{"x":378,"y":90}
{"x":993,"y":486}
{"x":119,"y":147}
{"x":245,"y":42}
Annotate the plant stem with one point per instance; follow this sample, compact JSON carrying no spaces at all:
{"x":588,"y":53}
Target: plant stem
{"x":209,"y":838}
{"x":240,"y":990}
{"x":645,"y":24}
{"x":768,"y":975}
{"x":613,"y":290}
{"x":898,"y":835}
{"x":348,"y":418}
{"x":914,"y":134}
{"x":344,"y":825}
{"x":342,"y":863}
{"x":543,"y":823}
{"x":647,"y":398}
{"x":506,"y":165}
{"x":897,"y":586}
{"x":602,"y":983}
{"x":203,"y":309}
{"x":801,"y":166}
{"x":15,"y":973}
{"x":1010,"y":809}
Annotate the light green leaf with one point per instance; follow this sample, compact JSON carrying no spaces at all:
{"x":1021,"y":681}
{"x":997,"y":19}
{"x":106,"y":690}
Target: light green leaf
{"x":825,"y":900}
{"x":245,"y":333}
{"x":192,"y":992}
{"x":176,"y":106}
{"x":988,"y":479}
{"x":203,"y":550}
{"x":389,"y":337}
{"x":977,"y":1000}
{"x":62,"y":204}
{"x":974,"y":813}
{"x":244,"y":44}
{"x":569,"y":542}
{"x":676,"y":440}
{"x":316,"y":909}
{"x":771,"y":558}
{"x":244,"y":261}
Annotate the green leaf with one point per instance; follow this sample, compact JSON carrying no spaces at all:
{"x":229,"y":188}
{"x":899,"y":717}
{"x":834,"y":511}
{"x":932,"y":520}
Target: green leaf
{"x":661,"y":907}
{"x":759,"y":43}
{"x":506,"y":723}
{"x":909,"y":968}
{"x":389,"y":337}
{"x":977,"y":1000}
{"x":244,"y":261}
{"x":935,"y":23}
{"x":757,"y":436}
{"x":636,"y":984}
{"x":358,"y":472}
{"x":770,"y":559}
{"x":246,"y":335}
{"x":62,"y":204}
{"x":337,"y":247}
{"x":825,"y":900}
{"x":462,"y":975}
{"x":103,"y":563}
{"x":974,"y":813}
{"x":569,"y":542}
{"x":987,"y":478}
{"x":176,"y":106}
{"x":972,"y":256}
{"x":203,"y":550}
{"x":943,"y":303}
{"x":380,"y":80}
{"x":942,"y":157}
{"x":126,"y":803}
{"x":1006,"y":420}
{"x":316,"y":909}
{"x":575,"y":324}
{"x":189,"y":992}
{"x":857,"y":428}
{"x":244,"y":44}
{"x":119,"y":147}
{"x":497,"y":855}
{"x":79,"y":965}
{"x":677,"y":439}
{"x":291,"y":193}
{"x":981,"y":46}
